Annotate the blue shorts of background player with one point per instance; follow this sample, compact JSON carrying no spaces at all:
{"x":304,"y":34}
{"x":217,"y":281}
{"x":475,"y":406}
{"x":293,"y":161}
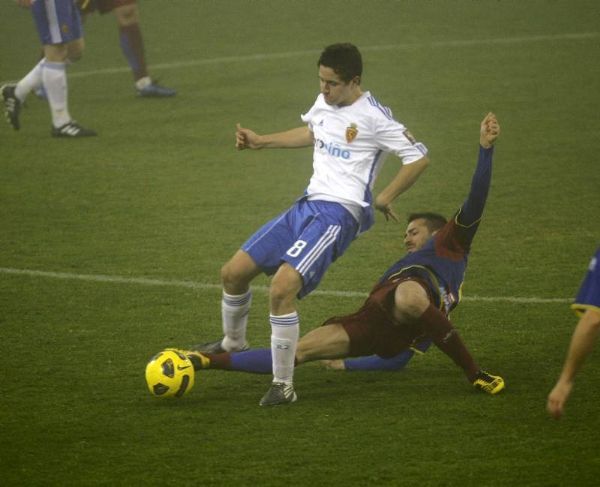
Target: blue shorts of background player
{"x":57,"y":21}
{"x":309,"y":237}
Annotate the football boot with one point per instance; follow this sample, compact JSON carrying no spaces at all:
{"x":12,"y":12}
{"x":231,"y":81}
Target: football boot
{"x":199,"y":360}
{"x":216,"y":347}
{"x":492,"y":384}
{"x":279,"y":393}
{"x":72,"y":130}
{"x":154,"y":90}
{"x":12,"y":105}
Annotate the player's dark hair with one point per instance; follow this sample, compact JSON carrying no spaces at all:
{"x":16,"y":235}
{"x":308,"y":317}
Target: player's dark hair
{"x":345,"y":60}
{"x":433,"y":221}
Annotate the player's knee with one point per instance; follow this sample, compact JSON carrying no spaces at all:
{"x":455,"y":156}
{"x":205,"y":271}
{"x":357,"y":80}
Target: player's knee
{"x":232,"y":278}
{"x":75,"y":56}
{"x":408,"y":308}
{"x":56,"y":53}
{"x":75,"y":50}
{"x":127,"y":15}
{"x":285,"y":285}
{"x":281,"y":295}
{"x":410,"y":301}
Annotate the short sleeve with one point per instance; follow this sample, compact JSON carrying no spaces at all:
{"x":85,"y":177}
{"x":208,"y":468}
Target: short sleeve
{"x":308,"y":117}
{"x":393,"y":137}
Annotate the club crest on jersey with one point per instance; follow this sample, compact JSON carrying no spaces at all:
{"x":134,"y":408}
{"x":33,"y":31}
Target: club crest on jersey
{"x":351,"y":132}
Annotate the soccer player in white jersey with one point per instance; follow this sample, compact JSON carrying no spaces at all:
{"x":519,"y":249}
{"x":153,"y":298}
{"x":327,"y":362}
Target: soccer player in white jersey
{"x":351,"y":133}
{"x":59,"y":28}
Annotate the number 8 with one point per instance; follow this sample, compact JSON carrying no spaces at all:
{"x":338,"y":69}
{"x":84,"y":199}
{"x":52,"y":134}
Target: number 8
{"x":296,"y":249}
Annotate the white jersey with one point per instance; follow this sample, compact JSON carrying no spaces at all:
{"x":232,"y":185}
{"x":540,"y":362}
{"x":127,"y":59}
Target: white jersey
{"x":350,"y":146}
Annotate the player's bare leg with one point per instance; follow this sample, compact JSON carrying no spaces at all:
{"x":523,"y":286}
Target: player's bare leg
{"x":236,"y":276}
{"x":325,"y":342}
{"x":54,"y":78}
{"x":132,"y":45}
{"x":413,"y":305}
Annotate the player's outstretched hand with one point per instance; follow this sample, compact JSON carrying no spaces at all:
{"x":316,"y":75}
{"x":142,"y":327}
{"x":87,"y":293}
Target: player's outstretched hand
{"x":490,"y":130}
{"x":557,"y":398}
{"x":246,"y":138}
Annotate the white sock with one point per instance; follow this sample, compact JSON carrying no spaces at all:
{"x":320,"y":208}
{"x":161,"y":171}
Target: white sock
{"x":54,"y":76}
{"x":31,"y":81}
{"x":285,"y":330}
{"x":141,"y":83}
{"x":234,"y":311}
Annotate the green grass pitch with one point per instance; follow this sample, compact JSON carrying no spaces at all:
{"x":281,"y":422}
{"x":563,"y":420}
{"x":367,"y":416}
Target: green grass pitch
{"x":101,"y":238}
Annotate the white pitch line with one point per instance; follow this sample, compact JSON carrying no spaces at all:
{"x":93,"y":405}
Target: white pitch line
{"x":314,"y":52}
{"x":144,"y":281}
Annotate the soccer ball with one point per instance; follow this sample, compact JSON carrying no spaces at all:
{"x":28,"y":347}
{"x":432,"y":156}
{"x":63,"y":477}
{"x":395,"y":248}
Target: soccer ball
{"x":169,"y":374}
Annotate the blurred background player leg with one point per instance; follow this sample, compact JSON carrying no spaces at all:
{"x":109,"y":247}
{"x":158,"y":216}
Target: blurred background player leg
{"x":59,"y":26}
{"x":132,"y":43}
{"x":14,"y":95}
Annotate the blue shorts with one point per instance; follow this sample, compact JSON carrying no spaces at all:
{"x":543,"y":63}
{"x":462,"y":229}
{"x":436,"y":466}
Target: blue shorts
{"x":57,"y":21}
{"x":309,"y":236}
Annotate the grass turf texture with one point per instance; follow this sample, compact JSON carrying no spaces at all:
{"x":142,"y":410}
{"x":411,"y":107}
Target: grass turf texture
{"x":162,"y":194}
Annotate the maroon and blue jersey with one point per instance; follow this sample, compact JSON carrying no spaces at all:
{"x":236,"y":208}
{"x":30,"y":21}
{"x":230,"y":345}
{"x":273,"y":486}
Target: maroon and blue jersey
{"x":443,"y":259}
{"x":588,"y":296}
